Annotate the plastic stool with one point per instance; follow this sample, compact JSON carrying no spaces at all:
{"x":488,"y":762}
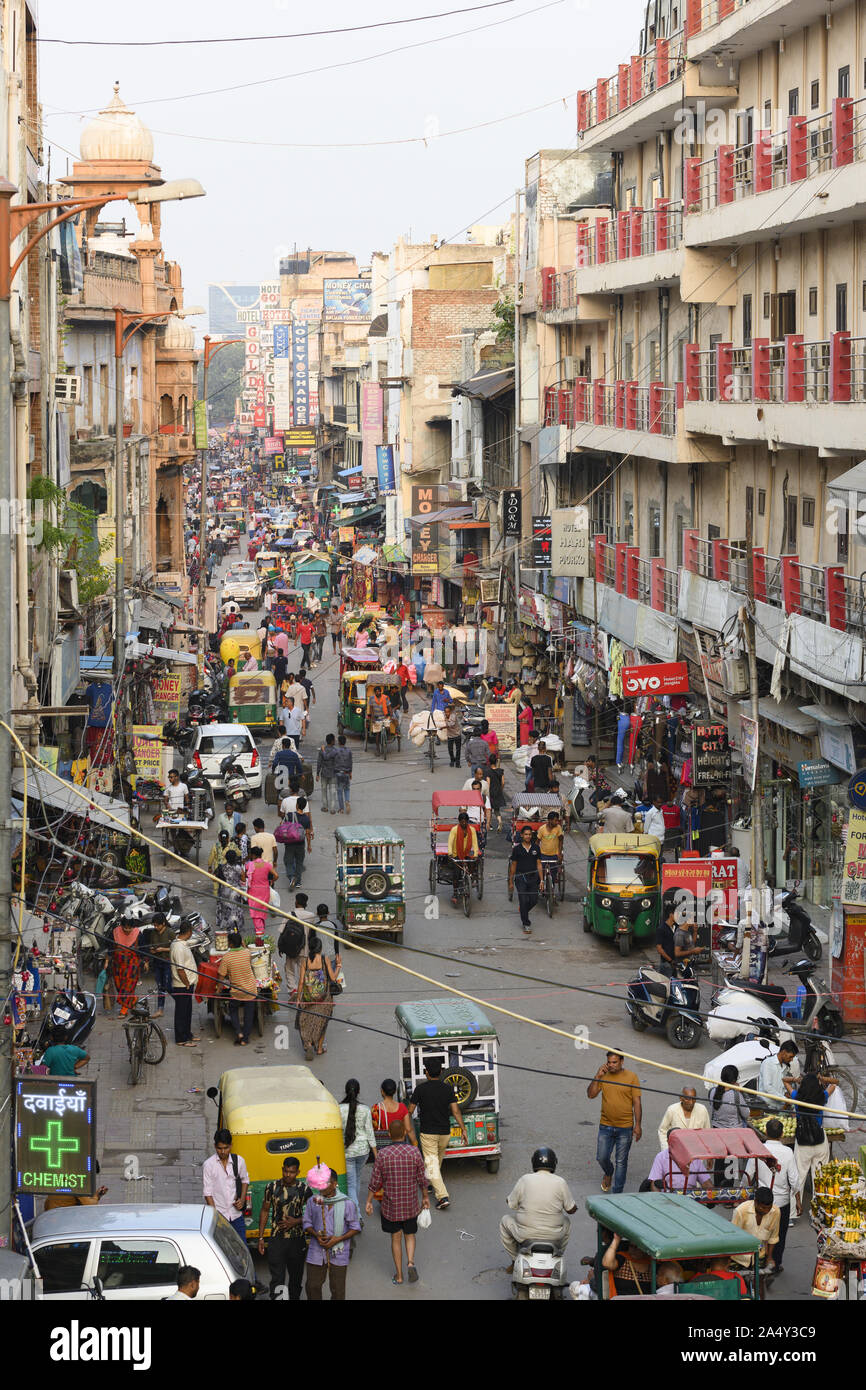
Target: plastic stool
{"x":793,"y":1008}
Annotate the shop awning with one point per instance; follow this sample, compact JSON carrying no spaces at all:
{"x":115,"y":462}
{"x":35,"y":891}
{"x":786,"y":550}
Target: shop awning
{"x":394,"y":555}
{"x":487,"y":385}
{"x":151,"y":653}
{"x":174,"y":600}
{"x":444,"y":514}
{"x":838,"y":718}
{"x":347,"y":472}
{"x":365,"y":555}
{"x":786,"y":714}
{"x":363,"y":515}
{"x":67,"y":801}
{"x":854,"y":480}
{"x":470,"y":525}
{"x":151,"y":613}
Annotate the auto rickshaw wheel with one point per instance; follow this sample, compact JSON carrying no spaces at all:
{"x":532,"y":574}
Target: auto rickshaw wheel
{"x":587,"y":925}
{"x":464,"y":1083}
{"x":493,"y":1165}
{"x":625,"y":944}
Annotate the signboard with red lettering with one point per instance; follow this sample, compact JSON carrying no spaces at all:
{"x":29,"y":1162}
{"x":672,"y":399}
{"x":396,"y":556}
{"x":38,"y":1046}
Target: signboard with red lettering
{"x":662,"y":678}
{"x":692,"y":882}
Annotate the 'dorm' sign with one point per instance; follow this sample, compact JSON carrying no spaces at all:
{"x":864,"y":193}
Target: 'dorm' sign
{"x":55,"y":1135}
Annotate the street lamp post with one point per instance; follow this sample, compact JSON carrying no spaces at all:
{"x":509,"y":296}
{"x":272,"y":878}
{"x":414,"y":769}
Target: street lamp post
{"x":210,"y":350}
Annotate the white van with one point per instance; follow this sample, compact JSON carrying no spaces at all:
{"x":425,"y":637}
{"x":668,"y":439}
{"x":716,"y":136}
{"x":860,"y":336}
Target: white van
{"x":136,"y":1251}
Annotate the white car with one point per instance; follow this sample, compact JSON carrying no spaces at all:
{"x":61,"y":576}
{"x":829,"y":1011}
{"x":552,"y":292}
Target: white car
{"x":214,"y":742}
{"x":136,"y":1251}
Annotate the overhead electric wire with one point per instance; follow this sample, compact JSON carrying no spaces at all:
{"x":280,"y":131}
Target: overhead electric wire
{"x":272,"y":38}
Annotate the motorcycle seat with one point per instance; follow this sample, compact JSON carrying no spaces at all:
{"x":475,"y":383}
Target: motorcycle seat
{"x":773,"y":996}
{"x":656,"y":983}
{"x":537,"y":1247}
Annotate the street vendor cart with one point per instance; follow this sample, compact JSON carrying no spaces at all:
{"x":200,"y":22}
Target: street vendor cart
{"x":838,"y":1217}
{"x":267,"y":978}
{"x":172,"y":825}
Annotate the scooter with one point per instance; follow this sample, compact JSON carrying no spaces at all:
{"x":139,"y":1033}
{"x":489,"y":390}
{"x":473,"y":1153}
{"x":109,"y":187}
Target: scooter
{"x":583,"y":801}
{"x":69,"y":1020}
{"x":741,"y":1006}
{"x":238,"y":791}
{"x":655,"y":1000}
{"x":539,"y":1270}
{"x":801,"y":937}
{"x":201,"y":799}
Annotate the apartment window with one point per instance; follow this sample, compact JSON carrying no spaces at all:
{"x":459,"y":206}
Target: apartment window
{"x":783,"y":314}
{"x":768,"y":114}
{"x":133,"y":398}
{"x":629,"y":195}
{"x":790,"y":526}
{"x":794,"y":101}
{"x":815,"y":95}
{"x":762,"y":501}
{"x":844,"y":81}
{"x":715,"y":339}
{"x":808,"y":511}
{"x":655,"y":354}
{"x":766,"y":307}
{"x":841,"y":308}
{"x":745,"y":126}
{"x":675,"y":20}
{"x":713,"y":532}
{"x":655,"y":531}
{"x":87,"y":395}
{"x":627,"y":526}
{"x":628,"y":361}
{"x":681,"y":528}
{"x":813,"y":299}
{"x":747,"y":320}
{"x":750,"y":510}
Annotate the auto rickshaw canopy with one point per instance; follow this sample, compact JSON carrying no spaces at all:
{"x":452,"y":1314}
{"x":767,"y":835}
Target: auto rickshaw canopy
{"x":424,"y":1020}
{"x":253,"y":1100}
{"x":367,"y":834}
{"x":668,"y":1226}
{"x":689,"y":1145}
{"x":253,"y":688}
{"x":361,"y":656}
{"x":618,"y":844}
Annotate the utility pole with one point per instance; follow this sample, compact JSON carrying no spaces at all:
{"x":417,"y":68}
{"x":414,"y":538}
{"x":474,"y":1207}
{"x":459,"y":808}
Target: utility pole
{"x":747,"y":623}
{"x":119,"y":500}
{"x":516,"y":460}
{"x":210,"y":350}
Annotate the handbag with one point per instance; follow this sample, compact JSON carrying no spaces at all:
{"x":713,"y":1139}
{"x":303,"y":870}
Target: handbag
{"x":289,"y":832}
{"x":339,"y":984}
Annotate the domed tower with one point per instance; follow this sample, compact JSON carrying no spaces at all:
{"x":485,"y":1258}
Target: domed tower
{"x":116,"y":153}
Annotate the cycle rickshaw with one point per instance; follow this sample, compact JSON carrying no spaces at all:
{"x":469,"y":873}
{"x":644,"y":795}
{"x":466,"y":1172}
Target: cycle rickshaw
{"x":463,"y":875}
{"x":379,"y":730}
{"x":532,"y":809}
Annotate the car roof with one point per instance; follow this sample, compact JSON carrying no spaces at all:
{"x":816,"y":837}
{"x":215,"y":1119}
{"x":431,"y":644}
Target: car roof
{"x":223,"y":729}
{"x":63,"y":1221}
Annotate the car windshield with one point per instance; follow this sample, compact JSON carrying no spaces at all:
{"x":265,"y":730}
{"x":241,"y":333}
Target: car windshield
{"x":623,"y":870}
{"x":224,"y":744}
{"x":229,"y":1244}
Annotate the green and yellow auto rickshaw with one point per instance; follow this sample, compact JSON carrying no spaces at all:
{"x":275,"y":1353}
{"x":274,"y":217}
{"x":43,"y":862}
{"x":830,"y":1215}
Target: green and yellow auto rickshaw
{"x":253,"y":701}
{"x":370,"y":884}
{"x":623,"y":890}
{"x":352,"y":711}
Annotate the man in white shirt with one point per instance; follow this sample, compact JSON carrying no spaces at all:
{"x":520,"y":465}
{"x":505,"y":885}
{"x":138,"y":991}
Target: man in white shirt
{"x":654,"y":821}
{"x":685,"y":1113}
{"x":225,"y":1181}
{"x":292,"y":720}
{"x":296,"y":691}
{"x":188,"y":1280}
{"x":293,"y":965}
{"x":176,"y":793}
{"x":785,"y":1183}
{"x":775,"y":1078}
{"x":184,"y":977}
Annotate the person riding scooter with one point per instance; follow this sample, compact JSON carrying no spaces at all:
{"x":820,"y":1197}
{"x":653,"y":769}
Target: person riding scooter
{"x":542,"y":1203}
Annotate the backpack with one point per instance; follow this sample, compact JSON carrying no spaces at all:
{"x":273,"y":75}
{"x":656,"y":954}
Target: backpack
{"x":809,"y":1131}
{"x":291,"y":940}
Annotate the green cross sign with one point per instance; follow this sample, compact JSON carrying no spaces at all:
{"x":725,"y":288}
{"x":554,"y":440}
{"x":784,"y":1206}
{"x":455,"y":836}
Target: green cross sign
{"x":53,"y":1144}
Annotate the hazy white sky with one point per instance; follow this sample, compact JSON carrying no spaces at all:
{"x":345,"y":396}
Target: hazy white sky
{"x":263,"y":201}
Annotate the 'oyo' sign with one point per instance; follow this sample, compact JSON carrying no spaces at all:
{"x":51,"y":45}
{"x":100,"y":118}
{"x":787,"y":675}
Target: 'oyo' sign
{"x":663,"y":678}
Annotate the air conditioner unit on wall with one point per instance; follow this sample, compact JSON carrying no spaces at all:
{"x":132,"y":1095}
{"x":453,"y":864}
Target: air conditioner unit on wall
{"x":67,"y":388}
{"x":736,"y":675}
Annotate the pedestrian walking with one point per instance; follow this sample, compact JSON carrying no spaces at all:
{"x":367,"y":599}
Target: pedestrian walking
{"x":810,"y":1143}
{"x":358,"y":1137}
{"x":217,"y":856}
{"x":260,"y":877}
{"x":158,"y":948}
{"x":125,"y":965}
{"x":399,"y":1174}
{"x":387,"y":1109}
{"x":291,"y":717}
{"x":343,"y":775}
{"x":188,"y":1280}
{"x":326,"y":773}
{"x":315,"y":1004}
{"x":496,"y":777}
{"x":320,"y":632}
{"x":184,"y":976}
{"x":434,"y":1100}
{"x":225,"y":1181}
{"x":295,"y":845}
{"x":335,"y":626}
{"x":305,"y":637}
{"x":454,"y":733}
{"x":784,"y":1182}
{"x":230,"y":904}
{"x":265,"y":840}
{"x":331,"y":1221}
{"x":403,"y":673}
{"x":524,"y":875}
{"x":236,"y":966}
{"x":282,"y":1209}
{"x":620,"y":1121}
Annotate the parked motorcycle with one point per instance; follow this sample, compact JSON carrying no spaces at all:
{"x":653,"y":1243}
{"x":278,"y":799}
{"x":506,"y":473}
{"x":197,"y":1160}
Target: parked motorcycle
{"x":656,"y":1001}
{"x":800,"y":938}
{"x":539,"y":1270}
{"x":583,"y":800}
{"x":238,"y":791}
{"x":69,"y":1019}
{"x":742,"y":1006}
{"x":201,"y":798}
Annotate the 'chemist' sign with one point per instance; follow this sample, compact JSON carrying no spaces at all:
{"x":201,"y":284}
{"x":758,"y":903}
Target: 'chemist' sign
{"x":55,"y":1135}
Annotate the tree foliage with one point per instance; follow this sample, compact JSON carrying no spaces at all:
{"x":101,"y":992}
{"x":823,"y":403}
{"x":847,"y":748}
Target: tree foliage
{"x":70,"y":533}
{"x":224,"y":382}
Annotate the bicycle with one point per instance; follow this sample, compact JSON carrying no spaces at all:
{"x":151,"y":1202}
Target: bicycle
{"x":145,"y":1040}
{"x":431,"y":746}
{"x":553,"y":884}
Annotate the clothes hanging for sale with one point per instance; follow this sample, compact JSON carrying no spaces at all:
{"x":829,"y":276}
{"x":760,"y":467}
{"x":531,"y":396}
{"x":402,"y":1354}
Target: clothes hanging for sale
{"x":623,"y":727}
{"x":616,"y":659}
{"x":636,"y":724}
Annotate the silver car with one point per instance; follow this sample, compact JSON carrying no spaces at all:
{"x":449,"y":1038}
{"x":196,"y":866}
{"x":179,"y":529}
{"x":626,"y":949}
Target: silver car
{"x":135,"y":1251}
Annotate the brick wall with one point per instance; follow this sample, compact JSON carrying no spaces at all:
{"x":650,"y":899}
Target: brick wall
{"x":438,"y":317}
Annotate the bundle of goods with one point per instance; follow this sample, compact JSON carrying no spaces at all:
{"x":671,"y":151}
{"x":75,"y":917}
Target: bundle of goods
{"x":838,"y":1210}
{"x":421,"y":723}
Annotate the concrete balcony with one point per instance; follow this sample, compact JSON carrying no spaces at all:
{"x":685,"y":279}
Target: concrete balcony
{"x":789,"y":394}
{"x":626,"y":110}
{"x":623,"y":418}
{"x":739,"y":28}
{"x":804,"y":177}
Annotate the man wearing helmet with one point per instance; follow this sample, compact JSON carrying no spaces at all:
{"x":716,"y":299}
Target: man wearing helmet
{"x":542,"y":1203}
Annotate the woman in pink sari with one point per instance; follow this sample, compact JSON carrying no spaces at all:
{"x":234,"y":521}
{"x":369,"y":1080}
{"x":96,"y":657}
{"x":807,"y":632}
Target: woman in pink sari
{"x":260,"y":876}
{"x":525,"y":723}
